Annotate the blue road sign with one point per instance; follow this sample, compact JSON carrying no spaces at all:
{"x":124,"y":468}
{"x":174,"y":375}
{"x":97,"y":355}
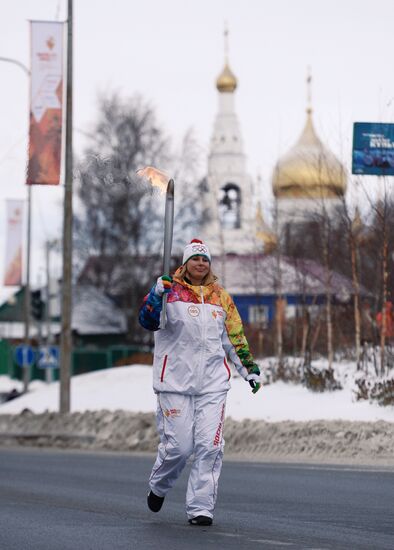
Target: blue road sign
{"x":24,"y":356}
{"x":48,"y":357}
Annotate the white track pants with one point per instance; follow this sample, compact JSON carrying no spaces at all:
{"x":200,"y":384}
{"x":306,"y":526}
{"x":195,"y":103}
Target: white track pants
{"x":188,"y":425}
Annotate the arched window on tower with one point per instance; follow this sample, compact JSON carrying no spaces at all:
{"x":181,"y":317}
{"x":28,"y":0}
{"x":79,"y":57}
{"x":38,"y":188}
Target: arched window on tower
{"x":230,"y":206}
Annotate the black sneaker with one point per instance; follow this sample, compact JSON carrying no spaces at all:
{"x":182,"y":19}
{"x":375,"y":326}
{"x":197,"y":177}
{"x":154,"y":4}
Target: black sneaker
{"x":201,"y":520}
{"x":154,"y":502}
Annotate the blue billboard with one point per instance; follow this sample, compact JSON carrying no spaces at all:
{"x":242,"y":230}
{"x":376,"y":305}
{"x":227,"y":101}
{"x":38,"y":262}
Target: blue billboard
{"x":373,"y":149}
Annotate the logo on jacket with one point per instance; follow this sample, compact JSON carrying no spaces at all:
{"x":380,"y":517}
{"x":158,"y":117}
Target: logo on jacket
{"x":217,"y":313}
{"x":172,"y":412}
{"x":193,"y":311}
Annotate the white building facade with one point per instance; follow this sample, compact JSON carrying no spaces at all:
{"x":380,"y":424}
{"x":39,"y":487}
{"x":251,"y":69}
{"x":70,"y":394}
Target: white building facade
{"x":229,"y":208}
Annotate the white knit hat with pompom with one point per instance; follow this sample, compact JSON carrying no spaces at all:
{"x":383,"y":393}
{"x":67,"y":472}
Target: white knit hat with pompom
{"x":195,"y":248}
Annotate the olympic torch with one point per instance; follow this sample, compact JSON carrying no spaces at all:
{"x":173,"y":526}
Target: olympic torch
{"x":161,"y":180}
{"x":168,"y":231}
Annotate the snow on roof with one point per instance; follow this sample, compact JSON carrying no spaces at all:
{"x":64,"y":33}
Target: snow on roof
{"x":249,"y":274}
{"x":95,"y":313}
{"x":252,"y":274}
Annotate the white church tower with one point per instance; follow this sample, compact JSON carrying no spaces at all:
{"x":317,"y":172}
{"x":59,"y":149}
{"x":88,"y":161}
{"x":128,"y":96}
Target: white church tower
{"x":229,"y":226}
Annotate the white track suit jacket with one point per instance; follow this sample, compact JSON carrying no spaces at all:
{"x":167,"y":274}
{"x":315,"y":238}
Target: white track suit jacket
{"x":203,"y":335}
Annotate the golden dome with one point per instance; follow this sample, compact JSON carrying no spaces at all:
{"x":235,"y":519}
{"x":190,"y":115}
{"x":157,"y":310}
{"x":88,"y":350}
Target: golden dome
{"x":309,"y":169}
{"x":226,"y":81}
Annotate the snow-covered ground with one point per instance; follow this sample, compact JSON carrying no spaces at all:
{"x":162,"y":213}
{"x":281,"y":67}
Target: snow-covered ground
{"x":130,"y":388}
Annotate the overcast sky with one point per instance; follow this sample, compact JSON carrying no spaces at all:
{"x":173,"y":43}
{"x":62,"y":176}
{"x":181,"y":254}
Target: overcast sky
{"x":172,"y":51}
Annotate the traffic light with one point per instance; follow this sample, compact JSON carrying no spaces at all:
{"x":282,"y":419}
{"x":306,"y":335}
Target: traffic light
{"x":36,"y":305}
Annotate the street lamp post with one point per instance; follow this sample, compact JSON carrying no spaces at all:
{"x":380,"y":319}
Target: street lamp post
{"x":16,"y":62}
{"x":26,"y":369}
{"x":66,"y":330}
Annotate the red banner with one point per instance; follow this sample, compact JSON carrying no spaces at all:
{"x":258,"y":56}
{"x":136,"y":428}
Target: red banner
{"x":46,"y":85}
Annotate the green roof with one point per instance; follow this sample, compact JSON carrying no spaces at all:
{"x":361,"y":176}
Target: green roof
{"x":12,"y":310}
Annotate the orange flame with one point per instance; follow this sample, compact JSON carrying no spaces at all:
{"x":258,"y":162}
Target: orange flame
{"x":156,"y":177}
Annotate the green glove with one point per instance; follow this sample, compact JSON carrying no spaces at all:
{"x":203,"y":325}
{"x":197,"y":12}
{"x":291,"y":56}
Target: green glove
{"x":163,"y":285}
{"x":254,"y":378}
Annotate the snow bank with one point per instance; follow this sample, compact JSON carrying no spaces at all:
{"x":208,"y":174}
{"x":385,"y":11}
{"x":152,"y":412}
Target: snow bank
{"x":319,"y":441}
{"x":114,"y":410}
{"x":130,"y":389}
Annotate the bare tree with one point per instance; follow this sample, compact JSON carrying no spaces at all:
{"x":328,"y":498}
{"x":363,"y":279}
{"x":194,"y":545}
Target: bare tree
{"x":378,"y":250}
{"x":382,"y":210}
{"x":351,"y":226}
{"x":279,"y":303}
{"x":326,"y":226}
{"x":119,"y":225}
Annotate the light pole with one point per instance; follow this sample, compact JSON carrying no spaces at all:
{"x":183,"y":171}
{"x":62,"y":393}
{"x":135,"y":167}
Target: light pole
{"x":66,"y":330}
{"x":26,"y":369}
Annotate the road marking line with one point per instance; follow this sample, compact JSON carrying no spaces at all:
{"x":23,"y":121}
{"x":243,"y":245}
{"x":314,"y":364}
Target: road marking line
{"x":262,"y":541}
{"x":273,"y":542}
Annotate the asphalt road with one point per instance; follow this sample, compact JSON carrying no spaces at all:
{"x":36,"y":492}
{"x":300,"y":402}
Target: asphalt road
{"x":53,"y":500}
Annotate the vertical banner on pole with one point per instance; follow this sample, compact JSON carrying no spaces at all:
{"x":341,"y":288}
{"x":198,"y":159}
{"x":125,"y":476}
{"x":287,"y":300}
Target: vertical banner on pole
{"x":45,"y":134}
{"x":13,"y":255}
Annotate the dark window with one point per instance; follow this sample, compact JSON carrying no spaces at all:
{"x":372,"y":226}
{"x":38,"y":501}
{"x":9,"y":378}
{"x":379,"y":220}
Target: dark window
{"x":230,"y":206}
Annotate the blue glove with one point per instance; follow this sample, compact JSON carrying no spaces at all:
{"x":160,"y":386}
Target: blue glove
{"x":163,"y":285}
